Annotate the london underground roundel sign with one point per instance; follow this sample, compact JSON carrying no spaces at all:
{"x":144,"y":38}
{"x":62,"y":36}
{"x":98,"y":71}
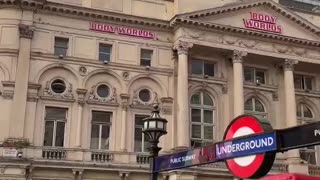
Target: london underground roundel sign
{"x":251,"y":166}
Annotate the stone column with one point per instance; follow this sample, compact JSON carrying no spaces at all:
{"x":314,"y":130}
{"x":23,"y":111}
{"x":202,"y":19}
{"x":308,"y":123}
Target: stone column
{"x":18,"y":110}
{"x":124,"y":106}
{"x":238,"y":99}
{"x":81,"y":100}
{"x":183,"y":134}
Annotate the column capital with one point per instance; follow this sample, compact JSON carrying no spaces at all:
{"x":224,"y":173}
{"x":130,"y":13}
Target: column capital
{"x":237,"y":56}
{"x":182,"y":47}
{"x":124,"y":101}
{"x":289,"y":64}
{"x":26,"y":31}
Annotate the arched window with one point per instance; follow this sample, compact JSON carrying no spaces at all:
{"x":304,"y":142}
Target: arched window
{"x":254,"y":107}
{"x":304,"y":116}
{"x":202,"y":119}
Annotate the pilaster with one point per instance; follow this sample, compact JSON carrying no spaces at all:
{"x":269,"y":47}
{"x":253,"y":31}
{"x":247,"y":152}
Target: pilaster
{"x":124,"y":109}
{"x":81,"y":101}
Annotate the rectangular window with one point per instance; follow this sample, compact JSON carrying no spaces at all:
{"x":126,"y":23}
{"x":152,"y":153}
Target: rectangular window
{"x":202,"y":127}
{"x":55,"y":120}
{"x":105,"y":52}
{"x":303,"y":82}
{"x":100,"y":130}
{"x":254,"y":75}
{"x":61,"y":46}
{"x":146,"y":57}
{"x":200,"y":67}
{"x":141,"y":142}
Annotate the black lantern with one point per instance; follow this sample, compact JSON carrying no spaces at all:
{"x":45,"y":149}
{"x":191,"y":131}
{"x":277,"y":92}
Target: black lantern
{"x":154,"y":127}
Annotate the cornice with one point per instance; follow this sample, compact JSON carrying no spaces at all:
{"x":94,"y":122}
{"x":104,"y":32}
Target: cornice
{"x":85,"y":13}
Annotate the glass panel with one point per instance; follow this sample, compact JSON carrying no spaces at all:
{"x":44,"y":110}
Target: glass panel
{"x":60,"y":51}
{"x":248,"y":105}
{"x":103,"y":90}
{"x":61,"y":42}
{"x":208,"y":132}
{"x":196,"y":115}
{"x":145,"y":62}
{"x":258,"y":106}
{"x":48,"y":134}
{"x":307,"y":112}
{"x":195,"y":143}
{"x":207,"y":100}
{"x":196,"y":99}
{"x":94,"y":143}
{"x":197,"y":67}
{"x":105,"y":48}
{"x":297,"y":81}
{"x":196,"y":131}
{"x":208,"y":116}
{"x":308,"y":83}
{"x":260,"y":77}
{"x":248,"y":74}
{"x":60,"y":134}
{"x":105,"y":137}
{"x":146,"y":54}
{"x":139,"y":120}
{"x":138,"y":140}
{"x":146,"y":143}
{"x":209,"y":69}
{"x":101,"y":117}
{"x":145,"y":95}
{"x":56,"y":113}
{"x":104,"y":57}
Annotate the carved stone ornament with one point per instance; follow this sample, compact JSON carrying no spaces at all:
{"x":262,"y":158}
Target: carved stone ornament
{"x":182,"y":47}
{"x":83,"y":71}
{"x":26,"y":31}
{"x":67,"y":94}
{"x":166,"y":105}
{"x":289,"y":64}
{"x":94,"y":97}
{"x":136,"y":101}
{"x":81,"y":95}
{"x":237,"y":56}
{"x":125,"y":75}
{"x":124,"y":101}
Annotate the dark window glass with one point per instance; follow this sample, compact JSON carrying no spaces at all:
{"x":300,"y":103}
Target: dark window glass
{"x":249,"y":74}
{"x":260,"y":77}
{"x":53,"y":113}
{"x":100,"y":130}
{"x":145,"y":95}
{"x":254,"y":75}
{"x":60,"y":134}
{"x":103,"y":91}
{"x":141,"y":142}
{"x":95,"y":131}
{"x":61,"y":46}
{"x":105,"y":52}
{"x":197,"y":67}
{"x":208,"y":116}
{"x":196,"y":98}
{"x":303,"y":82}
{"x":200,"y":67}
{"x":54,"y":126}
{"x":196,"y":143}
{"x":48,"y":134}
{"x":196,"y":131}
{"x":58,"y":86}
{"x":146,"y":57}
{"x":308,"y":83}
{"x":209,"y":69}
{"x":196,"y":115}
{"x":207,"y":100}
{"x":208,"y":132}
{"x":298,"y":79}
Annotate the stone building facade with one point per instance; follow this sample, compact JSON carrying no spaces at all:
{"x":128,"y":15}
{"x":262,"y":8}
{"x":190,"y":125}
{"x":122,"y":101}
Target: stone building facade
{"x":77,"y":77}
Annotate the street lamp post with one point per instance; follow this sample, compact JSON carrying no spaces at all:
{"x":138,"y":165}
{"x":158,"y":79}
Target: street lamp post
{"x":154,"y":127}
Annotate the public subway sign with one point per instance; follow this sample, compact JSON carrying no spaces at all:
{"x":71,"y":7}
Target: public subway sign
{"x":122,"y":30}
{"x":262,"y":22}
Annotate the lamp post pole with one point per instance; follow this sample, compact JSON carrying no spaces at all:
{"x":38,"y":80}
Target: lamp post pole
{"x":154,"y":127}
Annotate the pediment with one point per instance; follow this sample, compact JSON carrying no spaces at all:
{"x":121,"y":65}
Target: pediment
{"x":263,"y":16}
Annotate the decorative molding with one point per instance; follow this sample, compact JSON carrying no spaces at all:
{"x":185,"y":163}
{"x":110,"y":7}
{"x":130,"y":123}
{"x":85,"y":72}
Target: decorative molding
{"x":289,"y":64}
{"x":26,"y":31}
{"x":81,"y":95}
{"x":126,"y":75}
{"x":94,"y":98}
{"x":33,"y":92}
{"x":182,"y":47}
{"x":124,"y":101}
{"x":137,"y":102}
{"x":67,"y":94}
{"x":167,"y":105}
{"x":8,"y":89}
{"x":237,"y":56}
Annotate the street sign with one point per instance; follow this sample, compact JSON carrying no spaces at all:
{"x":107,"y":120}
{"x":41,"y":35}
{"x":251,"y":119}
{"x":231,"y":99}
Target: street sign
{"x":249,"y":147}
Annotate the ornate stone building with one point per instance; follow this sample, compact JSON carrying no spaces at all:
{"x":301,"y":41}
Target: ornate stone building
{"x":77,"y":77}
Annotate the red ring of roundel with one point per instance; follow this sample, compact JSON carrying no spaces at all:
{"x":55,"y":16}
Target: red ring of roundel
{"x":237,"y":170}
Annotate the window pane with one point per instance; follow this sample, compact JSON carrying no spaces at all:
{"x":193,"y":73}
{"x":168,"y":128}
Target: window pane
{"x":208,"y":132}
{"x":207,"y":100}
{"x":105,"y":137}
{"x":209,"y":69}
{"x":260,"y":77}
{"x":258,"y":106}
{"x":195,"y":143}
{"x":105,"y":48}
{"x":307,"y":112}
{"x":104,"y":57}
{"x":61,"y":42}
{"x":48,"y":134}
{"x":248,"y":105}
{"x":146,"y":54}
{"x":94,"y":144}
{"x":248,"y":74}
{"x":196,"y":131}
{"x":138,"y":140}
{"x":145,"y":62}
{"x":308,"y":83}
{"x":138,"y":120}
{"x":197,"y":67}
{"x":146,"y":143}
{"x":60,"y":134}
{"x":56,"y":113}
{"x":196,"y":115}
{"x":297,"y":81}
{"x":60,"y":51}
{"x":196,"y":98}
{"x":208,"y":116}
{"x":101,"y":117}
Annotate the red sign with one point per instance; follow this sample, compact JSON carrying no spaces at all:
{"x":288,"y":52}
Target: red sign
{"x":262,"y":22}
{"x":122,"y":30}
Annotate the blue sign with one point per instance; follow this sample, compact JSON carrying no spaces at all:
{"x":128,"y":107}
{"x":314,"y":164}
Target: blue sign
{"x":246,"y":146}
{"x":185,"y":159}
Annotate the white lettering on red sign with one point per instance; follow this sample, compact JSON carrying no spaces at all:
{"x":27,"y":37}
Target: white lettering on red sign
{"x":122,"y":30}
{"x":262,"y":22}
